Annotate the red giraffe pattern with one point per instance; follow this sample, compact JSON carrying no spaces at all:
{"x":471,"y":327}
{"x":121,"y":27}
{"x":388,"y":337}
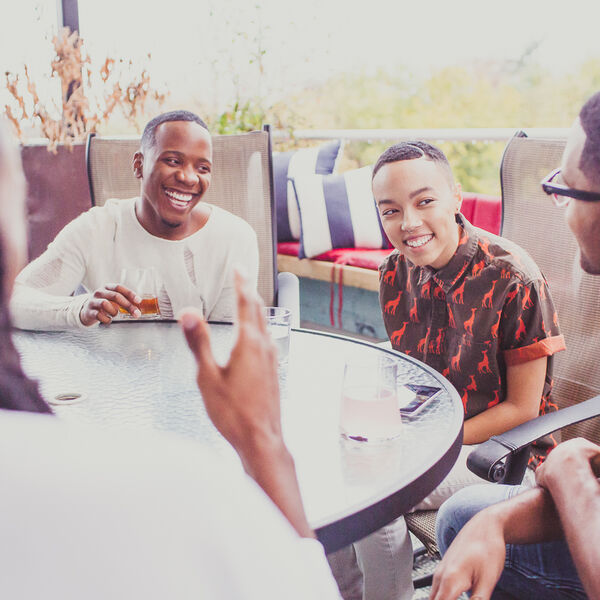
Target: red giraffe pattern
{"x":425,"y":290}
{"x":472,"y":387}
{"x":555,"y":319}
{"x":439,"y":294}
{"x":413,"y":315}
{"x":451,"y":322}
{"x":459,"y":294}
{"x":495,"y":326}
{"x":422,"y":341}
{"x":446,"y":372}
{"x":477,"y":268}
{"x":495,"y":400}
{"x":520,"y":330}
{"x":510,"y":296}
{"x":390,"y":277}
{"x":465,"y":400}
{"x":408,"y":283}
{"x":505,"y":274}
{"x":487,"y":299}
{"x":392,"y":305}
{"x":438,"y":340}
{"x":469,"y":321}
{"x":463,"y":240}
{"x":397,"y":335}
{"x":484,"y":365}
{"x":466,"y":340}
{"x":527,"y":302}
{"x":455,"y":362}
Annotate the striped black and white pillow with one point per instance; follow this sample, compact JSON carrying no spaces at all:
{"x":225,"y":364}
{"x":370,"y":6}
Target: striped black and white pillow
{"x":286,"y":165}
{"x":337,"y":211}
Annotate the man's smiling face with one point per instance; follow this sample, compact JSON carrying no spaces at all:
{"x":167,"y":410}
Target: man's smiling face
{"x":417,"y":202}
{"x":175,"y":173}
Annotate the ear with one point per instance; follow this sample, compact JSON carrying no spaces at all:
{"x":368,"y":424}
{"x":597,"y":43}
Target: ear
{"x":138,"y":162}
{"x":457,"y":197}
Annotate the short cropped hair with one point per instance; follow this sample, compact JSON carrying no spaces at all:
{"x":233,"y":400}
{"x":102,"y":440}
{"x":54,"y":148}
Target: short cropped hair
{"x":410,"y":151}
{"x":589,"y":118}
{"x":149,"y":135}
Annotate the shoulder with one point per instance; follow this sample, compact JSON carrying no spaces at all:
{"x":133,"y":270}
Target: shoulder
{"x":391,"y":261}
{"x":224,"y":219}
{"x":507,"y":257}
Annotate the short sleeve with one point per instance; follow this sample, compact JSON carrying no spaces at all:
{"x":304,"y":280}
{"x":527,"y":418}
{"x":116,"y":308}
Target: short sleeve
{"x":530,"y":327}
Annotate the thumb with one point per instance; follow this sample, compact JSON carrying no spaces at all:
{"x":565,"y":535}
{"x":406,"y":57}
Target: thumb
{"x":197,"y":336}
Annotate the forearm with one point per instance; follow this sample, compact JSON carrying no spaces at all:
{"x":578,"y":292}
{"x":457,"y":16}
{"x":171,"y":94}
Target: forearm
{"x":33,"y":309}
{"x":493,"y":421}
{"x":528,"y":518}
{"x":270,"y":464}
{"x":576,"y":494}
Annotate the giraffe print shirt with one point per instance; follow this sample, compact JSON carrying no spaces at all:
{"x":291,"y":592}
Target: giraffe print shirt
{"x":489,"y":307}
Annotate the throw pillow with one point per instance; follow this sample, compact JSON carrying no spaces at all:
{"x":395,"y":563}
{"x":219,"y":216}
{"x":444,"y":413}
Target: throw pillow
{"x":337,"y":211}
{"x":306,"y":161}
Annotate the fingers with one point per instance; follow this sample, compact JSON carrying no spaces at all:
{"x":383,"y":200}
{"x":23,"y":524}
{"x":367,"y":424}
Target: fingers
{"x":197,"y":335}
{"x":121,"y":296}
{"x":250,"y":306}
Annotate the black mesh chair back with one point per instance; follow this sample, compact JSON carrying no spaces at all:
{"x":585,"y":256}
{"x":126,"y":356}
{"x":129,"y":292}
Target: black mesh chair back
{"x":531,"y":219}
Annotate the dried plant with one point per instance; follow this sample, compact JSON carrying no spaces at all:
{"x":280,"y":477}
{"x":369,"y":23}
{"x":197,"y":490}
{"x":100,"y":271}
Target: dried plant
{"x":81,"y":111}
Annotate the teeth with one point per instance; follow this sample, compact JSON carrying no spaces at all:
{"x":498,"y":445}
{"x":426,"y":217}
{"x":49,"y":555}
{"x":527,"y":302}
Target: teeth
{"x":418,"y":241}
{"x":179,"y":196}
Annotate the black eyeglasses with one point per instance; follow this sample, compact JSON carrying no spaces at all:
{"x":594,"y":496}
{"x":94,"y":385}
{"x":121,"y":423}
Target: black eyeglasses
{"x":561,"y":194}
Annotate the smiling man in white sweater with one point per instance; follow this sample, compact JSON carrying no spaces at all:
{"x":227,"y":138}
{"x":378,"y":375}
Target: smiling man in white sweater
{"x":192,"y":246}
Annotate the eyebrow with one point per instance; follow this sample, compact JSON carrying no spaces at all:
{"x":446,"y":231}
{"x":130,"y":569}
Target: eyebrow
{"x":411,"y":195}
{"x":182,"y":154}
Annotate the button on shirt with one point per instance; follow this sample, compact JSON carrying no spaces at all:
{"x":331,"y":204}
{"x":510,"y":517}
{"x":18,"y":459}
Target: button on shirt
{"x":488,"y":308}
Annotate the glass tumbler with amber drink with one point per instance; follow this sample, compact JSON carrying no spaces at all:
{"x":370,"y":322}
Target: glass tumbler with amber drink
{"x":142,"y":281}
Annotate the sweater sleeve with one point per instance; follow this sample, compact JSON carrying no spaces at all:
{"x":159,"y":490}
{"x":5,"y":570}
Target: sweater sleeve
{"x":42,"y":297}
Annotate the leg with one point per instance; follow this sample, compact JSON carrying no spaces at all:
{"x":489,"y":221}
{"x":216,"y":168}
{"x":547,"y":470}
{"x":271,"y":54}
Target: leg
{"x":531,"y":571}
{"x":386,"y":558}
{"x":346,"y":572}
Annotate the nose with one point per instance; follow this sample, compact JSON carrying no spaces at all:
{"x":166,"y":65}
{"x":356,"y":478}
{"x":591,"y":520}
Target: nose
{"x":411,"y":220}
{"x":187,"y":175}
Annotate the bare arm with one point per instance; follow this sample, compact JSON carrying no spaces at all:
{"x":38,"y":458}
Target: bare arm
{"x":475,"y":559}
{"x":569,"y":474}
{"x":242,"y":400}
{"x":524,"y":387}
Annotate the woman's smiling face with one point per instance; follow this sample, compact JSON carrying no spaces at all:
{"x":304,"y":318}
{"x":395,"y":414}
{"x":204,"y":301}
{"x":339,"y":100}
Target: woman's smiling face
{"x":417,"y":201}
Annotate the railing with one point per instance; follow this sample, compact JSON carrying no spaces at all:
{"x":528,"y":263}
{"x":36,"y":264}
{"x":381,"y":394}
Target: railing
{"x":498,"y":134}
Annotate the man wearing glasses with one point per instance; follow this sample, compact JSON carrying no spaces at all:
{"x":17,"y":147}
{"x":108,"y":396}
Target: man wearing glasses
{"x":501,"y":541}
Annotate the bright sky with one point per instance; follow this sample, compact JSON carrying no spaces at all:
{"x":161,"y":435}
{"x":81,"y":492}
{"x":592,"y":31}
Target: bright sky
{"x":208,"y":48}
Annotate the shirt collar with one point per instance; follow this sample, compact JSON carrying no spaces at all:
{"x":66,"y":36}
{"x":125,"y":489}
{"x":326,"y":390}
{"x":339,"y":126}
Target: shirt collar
{"x":447,"y":276}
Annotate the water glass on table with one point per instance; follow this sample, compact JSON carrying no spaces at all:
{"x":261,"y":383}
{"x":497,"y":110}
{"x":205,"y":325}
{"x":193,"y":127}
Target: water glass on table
{"x":369,"y":409}
{"x":144,"y":282}
{"x":278,"y":324}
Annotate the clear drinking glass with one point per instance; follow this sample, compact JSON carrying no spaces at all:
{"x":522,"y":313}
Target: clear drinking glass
{"x":144,"y":282}
{"x":369,"y":409}
{"x":278,"y":324}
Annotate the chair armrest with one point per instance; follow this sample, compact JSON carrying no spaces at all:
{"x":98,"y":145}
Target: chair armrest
{"x":512,"y":445}
{"x":288,"y":295}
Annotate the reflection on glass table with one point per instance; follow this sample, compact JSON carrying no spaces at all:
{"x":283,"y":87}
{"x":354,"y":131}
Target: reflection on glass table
{"x":142,"y":376}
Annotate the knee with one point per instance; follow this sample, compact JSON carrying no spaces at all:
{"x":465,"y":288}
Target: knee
{"x":457,"y":510}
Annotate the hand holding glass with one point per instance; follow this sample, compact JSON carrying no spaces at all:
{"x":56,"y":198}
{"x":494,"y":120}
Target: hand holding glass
{"x":369,"y":404}
{"x":142,"y":281}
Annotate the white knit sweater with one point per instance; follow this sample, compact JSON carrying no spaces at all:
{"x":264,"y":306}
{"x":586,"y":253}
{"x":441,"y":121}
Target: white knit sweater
{"x":92,"y":250}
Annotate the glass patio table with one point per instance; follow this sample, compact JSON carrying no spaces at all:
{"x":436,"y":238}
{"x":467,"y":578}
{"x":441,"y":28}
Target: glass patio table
{"x":141,"y":375}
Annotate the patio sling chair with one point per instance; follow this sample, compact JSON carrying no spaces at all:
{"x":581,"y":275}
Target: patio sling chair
{"x":531,"y":220}
{"x":242,"y":183}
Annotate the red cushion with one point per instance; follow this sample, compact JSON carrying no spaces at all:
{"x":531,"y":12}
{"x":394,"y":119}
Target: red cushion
{"x":483,"y":211}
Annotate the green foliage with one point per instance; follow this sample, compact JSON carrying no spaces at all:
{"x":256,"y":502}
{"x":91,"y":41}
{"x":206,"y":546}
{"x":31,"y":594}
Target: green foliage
{"x":241,"y":118}
{"x":516,"y":95}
